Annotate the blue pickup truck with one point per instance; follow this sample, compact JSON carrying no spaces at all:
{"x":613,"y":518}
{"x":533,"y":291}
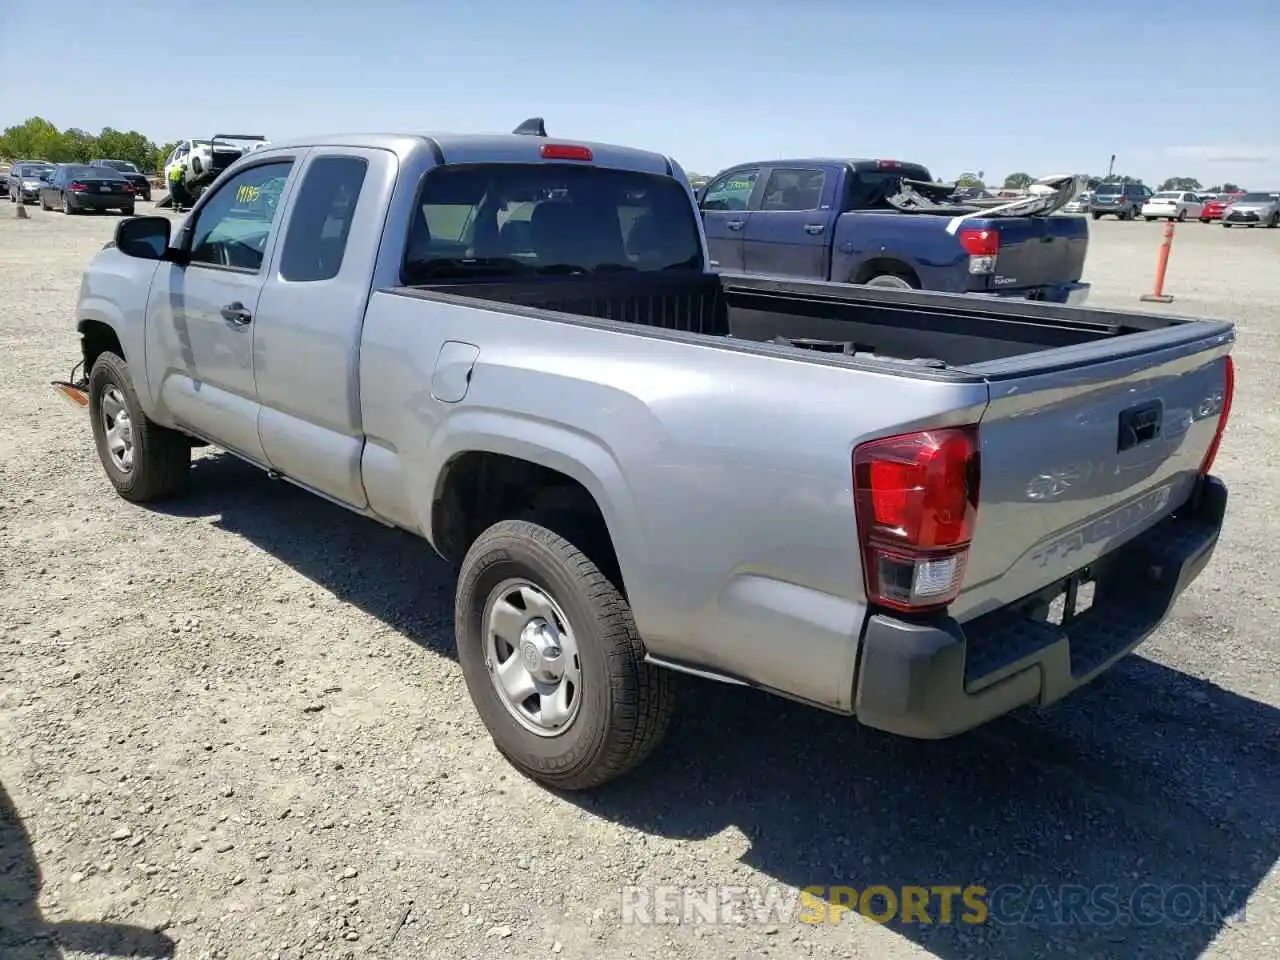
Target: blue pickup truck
{"x":885,"y":223}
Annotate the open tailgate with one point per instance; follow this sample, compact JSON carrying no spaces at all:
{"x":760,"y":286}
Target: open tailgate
{"x":1085,"y":447}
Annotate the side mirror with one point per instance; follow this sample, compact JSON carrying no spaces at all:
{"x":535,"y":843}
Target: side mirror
{"x":146,"y":238}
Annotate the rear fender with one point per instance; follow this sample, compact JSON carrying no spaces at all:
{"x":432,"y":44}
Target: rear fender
{"x":576,"y":455}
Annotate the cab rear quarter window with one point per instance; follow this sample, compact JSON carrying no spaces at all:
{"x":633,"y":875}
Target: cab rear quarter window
{"x":320,"y":223}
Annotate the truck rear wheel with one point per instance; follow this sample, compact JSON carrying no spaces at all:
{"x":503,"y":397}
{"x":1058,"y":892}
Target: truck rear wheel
{"x":893,"y":281}
{"x":143,"y":460}
{"x":552,"y":659}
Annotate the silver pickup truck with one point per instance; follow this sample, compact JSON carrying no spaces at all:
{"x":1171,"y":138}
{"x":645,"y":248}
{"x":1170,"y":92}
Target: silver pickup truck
{"x":921,"y":510}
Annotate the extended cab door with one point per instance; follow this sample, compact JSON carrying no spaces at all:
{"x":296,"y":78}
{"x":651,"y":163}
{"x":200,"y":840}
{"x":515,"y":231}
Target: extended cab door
{"x":724,"y":214}
{"x":200,"y":317}
{"x":309,"y":318}
{"x":788,"y":232}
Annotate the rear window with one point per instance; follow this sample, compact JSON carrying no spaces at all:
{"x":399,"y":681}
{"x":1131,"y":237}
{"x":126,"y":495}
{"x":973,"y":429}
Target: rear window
{"x":1107,"y":189}
{"x":868,"y":187}
{"x":84,"y":170}
{"x":508,"y":220}
{"x":1167,"y":195}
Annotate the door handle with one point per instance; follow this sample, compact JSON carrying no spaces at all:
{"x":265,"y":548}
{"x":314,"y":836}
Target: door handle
{"x":236,"y":313}
{"x":814,"y":228}
{"x":736,"y":224}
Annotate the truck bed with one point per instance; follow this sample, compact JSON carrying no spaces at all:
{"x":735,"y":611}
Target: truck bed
{"x":932,"y":329}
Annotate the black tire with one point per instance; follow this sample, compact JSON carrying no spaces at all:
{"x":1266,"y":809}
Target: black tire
{"x":127,"y":211}
{"x":626,"y":703}
{"x":66,"y":205}
{"x":161,"y":457}
{"x":1226,"y":226}
{"x":44,"y":204}
{"x":1182,"y":216}
{"x":1204,"y":220}
{"x":1273,"y":221}
{"x":1149,"y":219}
{"x":1096,"y":216}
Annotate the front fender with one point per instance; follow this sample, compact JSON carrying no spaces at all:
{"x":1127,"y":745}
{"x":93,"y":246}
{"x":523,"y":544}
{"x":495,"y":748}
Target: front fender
{"x":113,"y":293}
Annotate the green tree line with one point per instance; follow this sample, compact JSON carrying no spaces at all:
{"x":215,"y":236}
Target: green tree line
{"x":38,"y":139}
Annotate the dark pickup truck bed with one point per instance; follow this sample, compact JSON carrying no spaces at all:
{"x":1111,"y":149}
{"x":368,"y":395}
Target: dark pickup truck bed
{"x":934,"y":329}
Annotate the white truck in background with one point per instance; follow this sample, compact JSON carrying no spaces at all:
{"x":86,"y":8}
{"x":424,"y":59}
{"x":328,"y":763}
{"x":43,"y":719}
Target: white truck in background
{"x":194,"y":164}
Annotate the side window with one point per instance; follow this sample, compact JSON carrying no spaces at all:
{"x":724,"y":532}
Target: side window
{"x":793,"y":190}
{"x":731,"y":192}
{"x":321,"y":218}
{"x":234,"y":224}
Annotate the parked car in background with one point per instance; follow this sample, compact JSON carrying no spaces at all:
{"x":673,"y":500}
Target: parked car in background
{"x":1121,"y":200}
{"x":141,"y":184}
{"x":887,"y":223}
{"x":25,"y":180}
{"x":1213,"y":208}
{"x":1254,"y":209}
{"x":1173,"y":205}
{"x":1080,"y":204}
{"x":77,"y":187}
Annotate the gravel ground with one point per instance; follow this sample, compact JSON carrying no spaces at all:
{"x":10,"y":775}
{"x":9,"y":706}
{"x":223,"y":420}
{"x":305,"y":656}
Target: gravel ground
{"x":236,"y":727}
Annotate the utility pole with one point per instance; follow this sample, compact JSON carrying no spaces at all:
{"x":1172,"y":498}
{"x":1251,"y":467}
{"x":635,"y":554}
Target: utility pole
{"x":1111,"y":166}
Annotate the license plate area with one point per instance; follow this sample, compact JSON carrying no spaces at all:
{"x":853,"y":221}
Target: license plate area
{"x":104,"y":188}
{"x":1062,"y":602}
{"x":1075,"y":599}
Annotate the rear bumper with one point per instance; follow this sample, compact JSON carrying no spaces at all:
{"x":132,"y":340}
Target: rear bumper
{"x":1071,"y":294}
{"x":935,"y":680}
{"x":90,"y":201}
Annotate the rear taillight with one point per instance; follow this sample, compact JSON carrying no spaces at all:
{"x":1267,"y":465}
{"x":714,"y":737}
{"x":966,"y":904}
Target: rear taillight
{"x":1228,"y":393}
{"x":916,"y":502}
{"x":128,"y":188}
{"x":983,"y":246}
{"x":76,"y":187}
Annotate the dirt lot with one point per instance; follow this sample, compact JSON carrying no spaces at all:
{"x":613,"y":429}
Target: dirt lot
{"x":236,"y":724}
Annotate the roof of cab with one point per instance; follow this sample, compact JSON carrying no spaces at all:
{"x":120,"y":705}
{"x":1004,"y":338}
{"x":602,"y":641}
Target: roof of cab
{"x":480,"y":148}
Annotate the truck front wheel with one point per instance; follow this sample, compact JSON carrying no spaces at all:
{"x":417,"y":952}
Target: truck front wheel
{"x":143,"y":460}
{"x":552,"y":659}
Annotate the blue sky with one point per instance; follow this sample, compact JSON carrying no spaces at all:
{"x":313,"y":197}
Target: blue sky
{"x":1171,"y":87}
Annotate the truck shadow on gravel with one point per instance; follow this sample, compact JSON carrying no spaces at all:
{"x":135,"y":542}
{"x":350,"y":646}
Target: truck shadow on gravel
{"x":1133,"y":819}
{"x":26,"y":935}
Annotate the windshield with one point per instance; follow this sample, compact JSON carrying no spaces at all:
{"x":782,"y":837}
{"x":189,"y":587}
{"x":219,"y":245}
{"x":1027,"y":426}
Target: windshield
{"x":1256,"y":198}
{"x":123,"y":166}
{"x":36,"y":173}
{"x":1107,"y":188}
{"x":510,"y":219}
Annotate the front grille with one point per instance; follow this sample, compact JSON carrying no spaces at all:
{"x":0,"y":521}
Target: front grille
{"x":1237,"y":215}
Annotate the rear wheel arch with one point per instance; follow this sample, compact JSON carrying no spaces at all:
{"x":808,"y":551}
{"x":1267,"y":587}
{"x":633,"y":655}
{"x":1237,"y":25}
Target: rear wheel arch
{"x":479,"y":488}
{"x":886,"y":266}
